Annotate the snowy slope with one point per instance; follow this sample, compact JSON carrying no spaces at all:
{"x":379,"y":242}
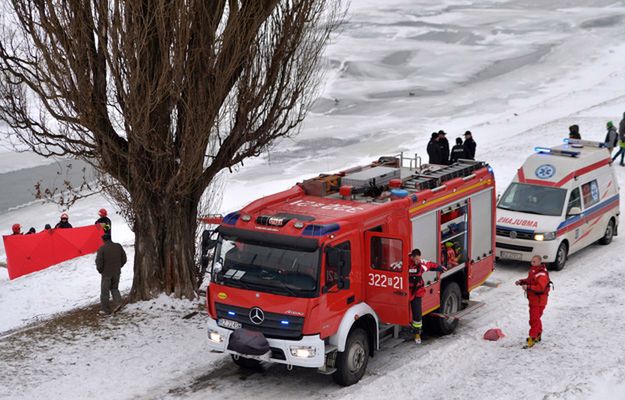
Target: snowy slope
{"x":516,"y":73}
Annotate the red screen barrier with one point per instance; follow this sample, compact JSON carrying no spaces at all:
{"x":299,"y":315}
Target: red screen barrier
{"x":30,"y":253}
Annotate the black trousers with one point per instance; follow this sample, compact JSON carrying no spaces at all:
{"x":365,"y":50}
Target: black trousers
{"x":415,"y":306}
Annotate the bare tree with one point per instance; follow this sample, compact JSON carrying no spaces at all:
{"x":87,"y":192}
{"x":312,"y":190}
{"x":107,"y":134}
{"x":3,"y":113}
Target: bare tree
{"x":159,"y":96}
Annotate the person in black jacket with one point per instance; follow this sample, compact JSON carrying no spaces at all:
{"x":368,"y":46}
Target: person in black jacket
{"x":104,"y":220}
{"x":469,"y":146}
{"x":457,"y":152}
{"x":434,"y":150}
{"x":574,"y":132}
{"x":444,"y":145}
{"x":64,"y":222}
{"x":109,"y":261}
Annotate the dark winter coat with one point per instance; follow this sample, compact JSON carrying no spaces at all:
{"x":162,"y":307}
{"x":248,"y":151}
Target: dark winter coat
{"x":611,"y":138}
{"x":110,"y":258}
{"x":621,"y":129}
{"x":415,"y":276}
{"x":105,"y":222}
{"x":457,"y":152}
{"x":63,"y":225}
{"x":443,"y":143}
{"x":469,"y":148}
{"x":434,"y":152}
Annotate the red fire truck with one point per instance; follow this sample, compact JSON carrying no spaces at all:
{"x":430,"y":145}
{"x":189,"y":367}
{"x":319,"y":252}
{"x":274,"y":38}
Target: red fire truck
{"x":317,"y":276}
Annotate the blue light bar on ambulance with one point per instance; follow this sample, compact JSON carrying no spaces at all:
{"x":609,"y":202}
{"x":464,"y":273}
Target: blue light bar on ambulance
{"x":581,"y":142}
{"x":284,"y":322}
{"x":320,"y":230}
{"x":558,"y":152}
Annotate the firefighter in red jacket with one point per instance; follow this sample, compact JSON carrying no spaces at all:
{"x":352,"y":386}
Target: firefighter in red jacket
{"x":536,"y":286}
{"x":417,"y":289}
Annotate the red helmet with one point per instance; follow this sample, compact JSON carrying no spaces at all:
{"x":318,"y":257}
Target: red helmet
{"x":64,"y":215}
{"x":102,"y":212}
{"x":16,"y":228}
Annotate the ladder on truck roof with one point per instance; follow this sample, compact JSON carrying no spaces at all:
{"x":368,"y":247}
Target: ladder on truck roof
{"x":431,"y":178}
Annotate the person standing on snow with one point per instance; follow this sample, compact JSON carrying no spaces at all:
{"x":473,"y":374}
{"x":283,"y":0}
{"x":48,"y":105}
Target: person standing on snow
{"x":31,"y":231}
{"x":457,"y":152}
{"x":574,"y":132}
{"x":417,"y":289}
{"x":64,"y":222}
{"x":611,"y":137}
{"x":104,"y":220}
{"x":536,"y":286}
{"x":434,"y":150}
{"x":621,"y":144}
{"x":469,"y":146}
{"x":443,"y":143}
{"x":109,"y":261}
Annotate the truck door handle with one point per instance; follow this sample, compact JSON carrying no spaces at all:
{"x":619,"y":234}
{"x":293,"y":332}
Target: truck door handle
{"x":400,"y":293}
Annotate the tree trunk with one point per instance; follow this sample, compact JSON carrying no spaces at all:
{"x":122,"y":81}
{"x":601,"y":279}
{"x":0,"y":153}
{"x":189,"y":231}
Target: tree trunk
{"x":164,"y":248}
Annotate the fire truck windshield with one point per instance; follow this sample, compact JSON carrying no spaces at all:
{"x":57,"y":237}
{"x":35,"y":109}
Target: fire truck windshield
{"x":533,"y":199}
{"x":268,"y":268}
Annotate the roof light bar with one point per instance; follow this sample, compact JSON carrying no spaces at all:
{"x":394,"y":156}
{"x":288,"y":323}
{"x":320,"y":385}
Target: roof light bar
{"x":558,"y":152}
{"x":588,"y":143}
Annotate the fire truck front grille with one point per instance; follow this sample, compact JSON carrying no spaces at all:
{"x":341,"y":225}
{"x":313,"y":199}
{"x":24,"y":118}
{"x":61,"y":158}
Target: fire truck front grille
{"x":514,"y":247}
{"x":274,"y":326}
{"x":519,"y":235}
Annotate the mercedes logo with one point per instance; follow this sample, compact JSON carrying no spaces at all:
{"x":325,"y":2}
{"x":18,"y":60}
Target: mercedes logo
{"x":513,"y":235}
{"x":257,"y":316}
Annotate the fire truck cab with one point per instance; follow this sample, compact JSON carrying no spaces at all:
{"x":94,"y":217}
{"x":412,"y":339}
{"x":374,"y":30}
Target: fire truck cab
{"x":318,"y":274}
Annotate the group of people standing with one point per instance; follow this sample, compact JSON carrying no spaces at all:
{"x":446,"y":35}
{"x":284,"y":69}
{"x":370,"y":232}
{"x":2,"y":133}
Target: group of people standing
{"x":613,"y":138}
{"x":64,"y":224}
{"x":440,"y":153}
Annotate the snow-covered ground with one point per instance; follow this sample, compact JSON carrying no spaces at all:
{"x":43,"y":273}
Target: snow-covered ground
{"x":517,"y":74}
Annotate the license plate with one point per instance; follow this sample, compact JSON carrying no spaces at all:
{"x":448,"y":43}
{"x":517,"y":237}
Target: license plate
{"x":229,"y":324}
{"x":511,"y":256}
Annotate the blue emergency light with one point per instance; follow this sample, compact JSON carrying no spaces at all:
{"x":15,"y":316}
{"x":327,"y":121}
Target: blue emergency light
{"x":284,"y":322}
{"x":232,"y":313}
{"x":558,"y":152}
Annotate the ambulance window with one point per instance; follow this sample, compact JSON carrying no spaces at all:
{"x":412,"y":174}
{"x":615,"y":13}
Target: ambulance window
{"x":574,"y":200}
{"x":590,"y":193}
{"x":386,"y":254}
{"x":332,"y":271}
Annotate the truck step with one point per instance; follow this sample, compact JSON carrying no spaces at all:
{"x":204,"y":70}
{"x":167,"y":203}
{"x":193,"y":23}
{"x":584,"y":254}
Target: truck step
{"x":391,"y":343}
{"x":470,"y":306}
{"x":326,"y":371}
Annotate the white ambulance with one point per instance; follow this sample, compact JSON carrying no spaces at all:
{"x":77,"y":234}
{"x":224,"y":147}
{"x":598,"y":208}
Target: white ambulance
{"x":561,"y":200}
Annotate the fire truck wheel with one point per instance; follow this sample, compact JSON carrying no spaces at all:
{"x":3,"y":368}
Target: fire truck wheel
{"x":609,"y":233}
{"x":351,"y":364}
{"x":246,"y":363}
{"x":561,"y":256}
{"x":451,"y":302}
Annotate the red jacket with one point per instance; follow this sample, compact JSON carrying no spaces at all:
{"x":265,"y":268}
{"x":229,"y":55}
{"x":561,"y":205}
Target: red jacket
{"x":415,"y":276}
{"x":537,"y":283}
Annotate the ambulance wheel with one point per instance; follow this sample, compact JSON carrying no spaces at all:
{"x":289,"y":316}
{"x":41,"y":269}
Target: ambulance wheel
{"x":351,"y":364}
{"x":561,"y":256}
{"x":451,"y":302}
{"x":609,"y":233}
{"x":246,"y":363}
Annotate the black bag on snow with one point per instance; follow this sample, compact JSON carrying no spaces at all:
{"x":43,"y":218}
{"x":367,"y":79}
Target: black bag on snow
{"x":248,"y":342}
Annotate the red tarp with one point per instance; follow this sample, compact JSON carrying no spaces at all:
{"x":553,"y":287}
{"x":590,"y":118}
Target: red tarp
{"x":30,"y":253}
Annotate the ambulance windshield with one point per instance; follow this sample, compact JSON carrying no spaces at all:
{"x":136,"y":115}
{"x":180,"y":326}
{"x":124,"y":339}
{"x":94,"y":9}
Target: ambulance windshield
{"x":533,"y":199}
{"x":267,"y":268}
